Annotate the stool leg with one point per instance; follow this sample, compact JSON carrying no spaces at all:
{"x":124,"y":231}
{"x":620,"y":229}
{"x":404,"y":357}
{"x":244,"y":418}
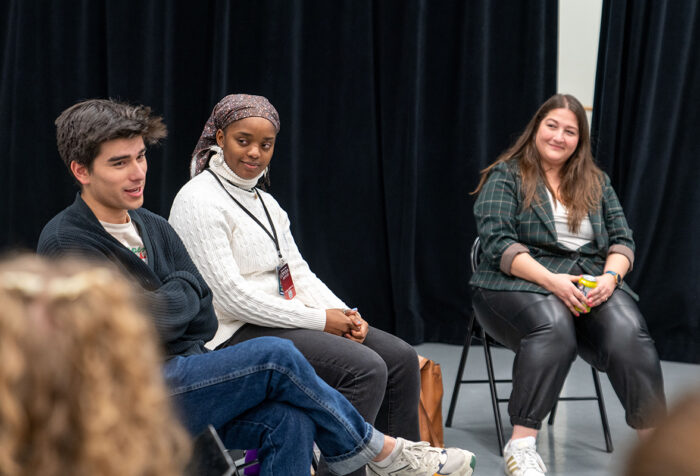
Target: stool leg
{"x":603,"y":413}
{"x":494,"y":392}
{"x":460,"y":371}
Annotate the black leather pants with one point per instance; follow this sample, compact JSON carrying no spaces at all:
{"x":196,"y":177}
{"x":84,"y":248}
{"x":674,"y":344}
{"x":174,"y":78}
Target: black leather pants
{"x":546,"y":337}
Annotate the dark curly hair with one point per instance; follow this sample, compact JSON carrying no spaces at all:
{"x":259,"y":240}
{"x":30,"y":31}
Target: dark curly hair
{"x":83,"y":127}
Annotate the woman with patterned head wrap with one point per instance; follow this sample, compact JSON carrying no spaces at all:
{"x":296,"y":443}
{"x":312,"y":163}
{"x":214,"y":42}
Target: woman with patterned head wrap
{"x":231,"y":108}
{"x":239,"y":237}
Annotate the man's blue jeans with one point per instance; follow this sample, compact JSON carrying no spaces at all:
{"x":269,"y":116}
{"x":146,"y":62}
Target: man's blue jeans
{"x":263,"y":394}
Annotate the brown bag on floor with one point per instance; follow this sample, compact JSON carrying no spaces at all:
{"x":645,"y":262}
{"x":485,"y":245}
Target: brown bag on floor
{"x":430,"y":406}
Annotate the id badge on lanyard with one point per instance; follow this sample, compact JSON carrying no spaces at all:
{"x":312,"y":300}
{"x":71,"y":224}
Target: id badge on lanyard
{"x":284,"y":279}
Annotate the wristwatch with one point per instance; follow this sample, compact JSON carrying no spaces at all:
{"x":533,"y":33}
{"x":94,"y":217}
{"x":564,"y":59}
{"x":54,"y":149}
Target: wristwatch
{"x":618,"y":278}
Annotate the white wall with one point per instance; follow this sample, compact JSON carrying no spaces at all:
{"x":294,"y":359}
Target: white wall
{"x":579,"y":29}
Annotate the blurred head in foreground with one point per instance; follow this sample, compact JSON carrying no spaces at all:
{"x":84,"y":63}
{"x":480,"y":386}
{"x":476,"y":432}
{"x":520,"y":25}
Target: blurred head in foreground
{"x":674,"y":446}
{"x":80,"y":385}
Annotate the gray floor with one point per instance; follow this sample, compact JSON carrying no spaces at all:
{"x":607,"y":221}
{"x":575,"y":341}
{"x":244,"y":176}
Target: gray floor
{"x":574,"y":445}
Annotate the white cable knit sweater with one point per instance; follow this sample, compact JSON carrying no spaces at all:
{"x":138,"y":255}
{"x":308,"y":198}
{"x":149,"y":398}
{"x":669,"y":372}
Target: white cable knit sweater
{"x":238,"y":259}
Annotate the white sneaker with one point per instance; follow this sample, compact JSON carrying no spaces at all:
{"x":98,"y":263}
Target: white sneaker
{"x":421,"y":459}
{"x":522,"y":459}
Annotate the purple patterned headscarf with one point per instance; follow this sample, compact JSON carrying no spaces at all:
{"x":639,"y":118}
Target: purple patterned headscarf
{"x":231,"y":108}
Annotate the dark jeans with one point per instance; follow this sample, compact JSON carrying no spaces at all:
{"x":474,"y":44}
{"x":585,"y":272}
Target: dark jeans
{"x":380,"y":377}
{"x":546,"y":338}
{"x":264,"y":394}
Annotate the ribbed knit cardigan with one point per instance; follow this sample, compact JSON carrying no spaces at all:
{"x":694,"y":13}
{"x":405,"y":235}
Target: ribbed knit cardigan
{"x":175,"y":294}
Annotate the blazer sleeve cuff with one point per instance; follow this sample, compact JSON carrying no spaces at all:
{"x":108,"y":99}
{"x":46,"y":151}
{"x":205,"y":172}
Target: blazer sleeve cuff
{"x":624,"y":251}
{"x":509,"y":255}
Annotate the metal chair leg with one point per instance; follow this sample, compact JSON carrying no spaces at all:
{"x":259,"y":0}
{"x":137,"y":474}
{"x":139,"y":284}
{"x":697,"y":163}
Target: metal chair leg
{"x":460,"y":371}
{"x":550,"y":421}
{"x":603,"y":413}
{"x":494,"y":392}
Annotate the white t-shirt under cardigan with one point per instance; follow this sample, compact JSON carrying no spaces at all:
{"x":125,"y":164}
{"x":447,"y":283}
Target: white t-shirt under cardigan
{"x":128,"y":235}
{"x":238,"y":260}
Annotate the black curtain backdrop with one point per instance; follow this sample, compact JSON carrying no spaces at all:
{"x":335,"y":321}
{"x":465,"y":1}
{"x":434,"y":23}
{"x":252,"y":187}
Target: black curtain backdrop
{"x":645,"y":119}
{"x":389,"y":109}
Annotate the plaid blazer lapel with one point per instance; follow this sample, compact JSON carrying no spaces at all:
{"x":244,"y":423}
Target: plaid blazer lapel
{"x":543,"y":209}
{"x":598,"y":231}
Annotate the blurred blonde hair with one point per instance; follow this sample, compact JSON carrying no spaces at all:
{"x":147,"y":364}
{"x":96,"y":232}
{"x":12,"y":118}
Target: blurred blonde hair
{"x":81,"y":390}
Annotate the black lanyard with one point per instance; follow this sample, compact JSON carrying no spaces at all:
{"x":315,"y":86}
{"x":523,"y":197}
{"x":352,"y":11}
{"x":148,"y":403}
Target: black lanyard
{"x":273,"y":235}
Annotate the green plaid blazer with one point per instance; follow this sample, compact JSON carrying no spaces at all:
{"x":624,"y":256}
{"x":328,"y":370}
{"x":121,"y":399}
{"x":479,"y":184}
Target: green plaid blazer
{"x":501,"y":223}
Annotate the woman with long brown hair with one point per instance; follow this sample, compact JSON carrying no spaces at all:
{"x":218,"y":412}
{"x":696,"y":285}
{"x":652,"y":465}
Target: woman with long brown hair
{"x":546,"y":215}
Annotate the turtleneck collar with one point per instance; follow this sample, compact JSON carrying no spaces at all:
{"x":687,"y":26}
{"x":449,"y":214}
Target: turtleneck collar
{"x":219,"y":166}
